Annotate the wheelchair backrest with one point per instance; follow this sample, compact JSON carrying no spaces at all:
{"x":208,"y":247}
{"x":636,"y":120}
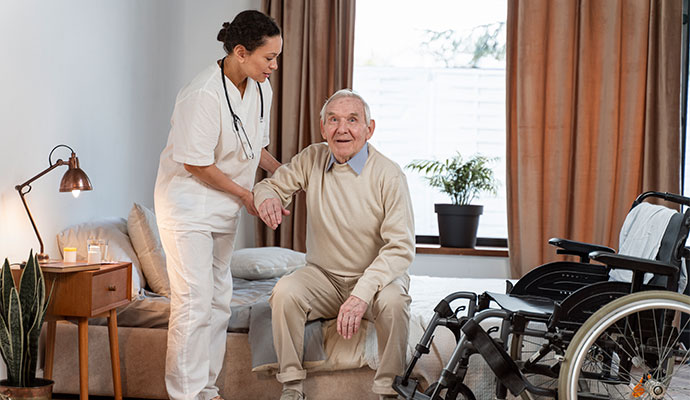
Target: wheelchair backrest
{"x":673,"y":241}
{"x":672,"y":244}
{"x":676,"y":234}
{"x":653,"y":232}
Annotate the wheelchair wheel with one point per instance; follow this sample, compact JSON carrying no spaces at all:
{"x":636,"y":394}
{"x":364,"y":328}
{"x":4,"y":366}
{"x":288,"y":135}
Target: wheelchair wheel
{"x":522,"y":347}
{"x":630,"y":349}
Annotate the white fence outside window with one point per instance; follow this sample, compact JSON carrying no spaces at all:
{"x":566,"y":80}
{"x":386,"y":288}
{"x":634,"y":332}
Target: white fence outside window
{"x":431,"y":113}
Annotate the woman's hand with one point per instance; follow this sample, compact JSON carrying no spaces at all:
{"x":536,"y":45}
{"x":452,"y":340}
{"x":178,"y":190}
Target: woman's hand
{"x":248,"y":201}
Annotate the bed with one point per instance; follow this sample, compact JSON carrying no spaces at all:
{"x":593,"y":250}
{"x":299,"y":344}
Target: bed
{"x":336,"y":366}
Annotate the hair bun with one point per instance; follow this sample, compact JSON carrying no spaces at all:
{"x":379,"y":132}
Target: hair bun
{"x":250,"y":28}
{"x":224,"y":32}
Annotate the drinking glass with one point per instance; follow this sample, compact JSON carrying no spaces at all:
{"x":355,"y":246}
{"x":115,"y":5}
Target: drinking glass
{"x":103,"y":244}
{"x":96,"y":250}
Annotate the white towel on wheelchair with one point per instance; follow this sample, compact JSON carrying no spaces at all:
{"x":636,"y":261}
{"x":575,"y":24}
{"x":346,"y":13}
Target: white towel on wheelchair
{"x":641,"y":236}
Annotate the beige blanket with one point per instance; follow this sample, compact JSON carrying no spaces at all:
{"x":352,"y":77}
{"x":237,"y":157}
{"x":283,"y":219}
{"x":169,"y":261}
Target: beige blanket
{"x":326,"y":350}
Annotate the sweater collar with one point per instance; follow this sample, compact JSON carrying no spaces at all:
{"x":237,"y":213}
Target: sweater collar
{"x":356,"y":162}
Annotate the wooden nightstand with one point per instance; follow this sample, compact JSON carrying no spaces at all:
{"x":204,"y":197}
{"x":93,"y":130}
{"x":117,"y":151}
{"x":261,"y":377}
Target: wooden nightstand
{"x":83,"y":295}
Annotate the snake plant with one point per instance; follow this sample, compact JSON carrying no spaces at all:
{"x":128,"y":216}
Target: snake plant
{"x":21,"y":317}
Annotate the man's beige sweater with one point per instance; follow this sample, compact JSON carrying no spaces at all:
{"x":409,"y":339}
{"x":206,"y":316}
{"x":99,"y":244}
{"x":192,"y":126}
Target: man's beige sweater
{"x":357,"y":225}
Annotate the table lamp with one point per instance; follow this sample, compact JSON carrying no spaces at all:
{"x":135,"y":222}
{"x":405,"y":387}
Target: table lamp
{"x":74,"y":180}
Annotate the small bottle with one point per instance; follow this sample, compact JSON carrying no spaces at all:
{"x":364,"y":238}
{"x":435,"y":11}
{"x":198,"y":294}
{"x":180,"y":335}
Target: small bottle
{"x":69,"y":254}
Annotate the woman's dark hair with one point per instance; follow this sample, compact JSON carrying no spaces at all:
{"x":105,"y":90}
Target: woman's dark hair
{"x":250,"y":29}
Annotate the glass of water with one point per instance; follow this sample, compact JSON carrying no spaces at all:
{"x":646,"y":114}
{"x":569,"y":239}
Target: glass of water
{"x":96,"y":250}
{"x":103,"y":245}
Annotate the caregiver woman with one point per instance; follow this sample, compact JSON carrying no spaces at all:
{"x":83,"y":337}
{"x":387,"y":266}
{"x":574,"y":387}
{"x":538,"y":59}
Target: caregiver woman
{"x":220,"y":126}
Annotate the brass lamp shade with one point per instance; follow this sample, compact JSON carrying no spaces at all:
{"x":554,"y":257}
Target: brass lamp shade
{"x":75,"y":178}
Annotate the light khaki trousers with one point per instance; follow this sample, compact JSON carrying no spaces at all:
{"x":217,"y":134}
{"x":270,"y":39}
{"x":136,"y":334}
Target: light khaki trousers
{"x":311,"y":293}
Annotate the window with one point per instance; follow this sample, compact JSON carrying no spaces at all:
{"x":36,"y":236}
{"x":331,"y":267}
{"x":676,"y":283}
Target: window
{"x":434,"y":76}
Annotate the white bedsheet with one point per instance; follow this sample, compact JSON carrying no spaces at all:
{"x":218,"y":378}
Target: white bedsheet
{"x":427,"y":291}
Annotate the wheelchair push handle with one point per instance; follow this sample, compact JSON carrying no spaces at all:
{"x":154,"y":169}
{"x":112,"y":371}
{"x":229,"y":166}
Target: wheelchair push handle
{"x":674,"y":198}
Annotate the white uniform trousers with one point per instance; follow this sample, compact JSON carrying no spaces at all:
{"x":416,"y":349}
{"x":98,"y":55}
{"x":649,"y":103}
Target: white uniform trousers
{"x":198,"y":265}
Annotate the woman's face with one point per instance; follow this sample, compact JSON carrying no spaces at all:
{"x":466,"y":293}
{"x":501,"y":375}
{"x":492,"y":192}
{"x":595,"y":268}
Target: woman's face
{"x":260,"y":63}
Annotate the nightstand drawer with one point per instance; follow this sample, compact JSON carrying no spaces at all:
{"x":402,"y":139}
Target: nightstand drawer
{"x":109,"y":288}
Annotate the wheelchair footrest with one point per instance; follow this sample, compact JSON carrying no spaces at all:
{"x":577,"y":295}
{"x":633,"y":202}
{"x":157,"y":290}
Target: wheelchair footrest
{"x":408,"y":391}
{"x":505,"y":369}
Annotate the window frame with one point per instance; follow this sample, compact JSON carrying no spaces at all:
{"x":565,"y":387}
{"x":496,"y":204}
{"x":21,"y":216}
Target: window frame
{"x":481,"y":241}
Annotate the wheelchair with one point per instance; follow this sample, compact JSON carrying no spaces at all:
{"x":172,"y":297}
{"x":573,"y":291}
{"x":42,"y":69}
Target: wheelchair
{"x":566,"y":330}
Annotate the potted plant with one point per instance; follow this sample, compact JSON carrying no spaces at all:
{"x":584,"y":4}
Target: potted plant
{"x":21,"y":318}
{"x":462,"y":181}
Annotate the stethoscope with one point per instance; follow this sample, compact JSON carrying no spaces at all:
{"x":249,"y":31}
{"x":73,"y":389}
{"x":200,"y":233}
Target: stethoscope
{"x":236,"y":121}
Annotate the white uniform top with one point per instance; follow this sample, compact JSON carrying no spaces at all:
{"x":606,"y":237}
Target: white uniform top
{"x":202,"y":133}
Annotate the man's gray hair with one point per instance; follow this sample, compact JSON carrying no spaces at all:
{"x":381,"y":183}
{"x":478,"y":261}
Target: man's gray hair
{"x":347,"y":93}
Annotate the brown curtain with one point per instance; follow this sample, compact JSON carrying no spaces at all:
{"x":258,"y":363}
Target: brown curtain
{"x":317,"y":60}
{"x":593,"y":117}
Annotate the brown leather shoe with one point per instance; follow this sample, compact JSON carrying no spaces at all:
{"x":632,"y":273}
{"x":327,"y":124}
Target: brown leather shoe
{"x":292,"y":394}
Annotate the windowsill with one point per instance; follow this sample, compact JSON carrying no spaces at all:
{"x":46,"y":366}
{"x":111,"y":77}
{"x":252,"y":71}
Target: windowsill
{"x":477,"y":251}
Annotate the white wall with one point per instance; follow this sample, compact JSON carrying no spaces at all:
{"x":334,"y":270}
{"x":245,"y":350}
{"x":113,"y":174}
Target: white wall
{"x":460,"y":266}
{"x":100,"y":76}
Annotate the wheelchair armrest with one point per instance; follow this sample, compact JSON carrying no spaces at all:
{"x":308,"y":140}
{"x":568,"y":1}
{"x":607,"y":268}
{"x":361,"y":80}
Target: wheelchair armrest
{"x":580,"y":249}
{"x":634,"y":263}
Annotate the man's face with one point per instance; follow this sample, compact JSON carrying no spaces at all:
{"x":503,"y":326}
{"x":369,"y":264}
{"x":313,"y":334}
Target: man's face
{"x":344,"y":127}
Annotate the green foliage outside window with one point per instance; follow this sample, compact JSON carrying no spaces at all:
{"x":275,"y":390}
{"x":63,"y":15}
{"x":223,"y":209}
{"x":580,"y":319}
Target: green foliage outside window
{"x":484,"y":41}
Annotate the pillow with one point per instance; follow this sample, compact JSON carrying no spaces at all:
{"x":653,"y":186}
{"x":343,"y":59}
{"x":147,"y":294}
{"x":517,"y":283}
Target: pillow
{"x":114,"y":230}
{"x":265,"y":262}
{"x":143,"y":232}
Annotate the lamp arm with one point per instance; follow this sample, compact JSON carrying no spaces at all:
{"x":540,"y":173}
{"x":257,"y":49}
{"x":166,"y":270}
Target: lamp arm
{"x":20,"y":188}
{"x":33,"y":224}
{"x":58,"y":163}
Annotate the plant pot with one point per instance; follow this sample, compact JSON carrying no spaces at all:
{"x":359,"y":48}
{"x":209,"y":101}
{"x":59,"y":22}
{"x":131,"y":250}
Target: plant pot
{"x":42,"y":390}
{"x":457,"y":225}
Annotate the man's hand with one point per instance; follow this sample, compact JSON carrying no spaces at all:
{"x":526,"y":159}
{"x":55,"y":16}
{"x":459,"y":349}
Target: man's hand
{"x":350,"y":316}
{"x":271,"y":211}
{"x":248,"y":201}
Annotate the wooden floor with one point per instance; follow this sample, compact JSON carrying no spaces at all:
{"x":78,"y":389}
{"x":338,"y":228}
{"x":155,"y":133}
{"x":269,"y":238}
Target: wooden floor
{"x":680,"y":389}
{"x":680,"y":385}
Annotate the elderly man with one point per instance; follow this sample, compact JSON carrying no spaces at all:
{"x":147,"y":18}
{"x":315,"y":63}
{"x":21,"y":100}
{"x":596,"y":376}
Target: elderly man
{"x":360,"y":243}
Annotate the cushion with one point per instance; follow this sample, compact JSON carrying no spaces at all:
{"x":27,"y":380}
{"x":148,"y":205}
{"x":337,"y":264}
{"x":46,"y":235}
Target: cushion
{"x":114,"y":230}
{"x":143,"y":233}
{"x":265,"y":262}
